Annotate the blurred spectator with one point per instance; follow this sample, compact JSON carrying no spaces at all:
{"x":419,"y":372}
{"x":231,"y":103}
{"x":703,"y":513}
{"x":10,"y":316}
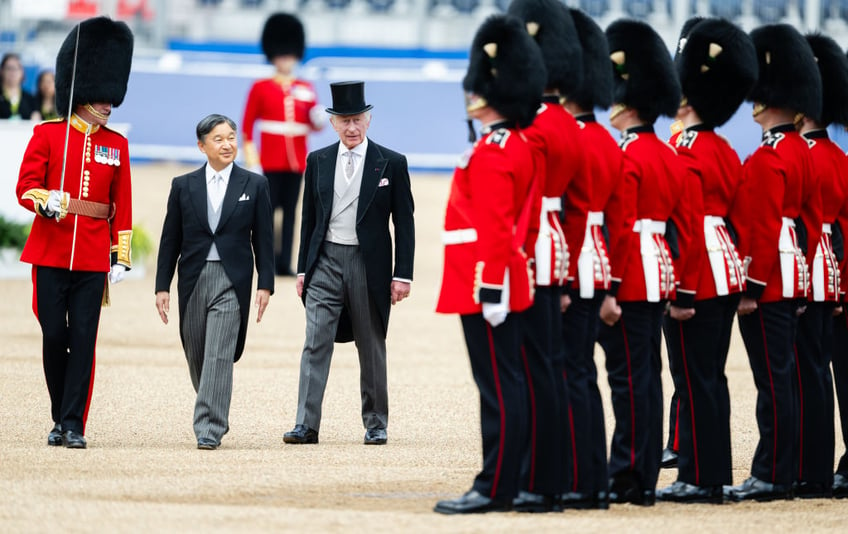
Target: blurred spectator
{"x":45,"y":95}
{"x":15,"y":103}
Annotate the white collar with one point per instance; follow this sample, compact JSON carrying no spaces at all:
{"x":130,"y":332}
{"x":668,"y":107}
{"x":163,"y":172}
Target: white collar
{"x":225,"y":173}
{"x":360,"y":150}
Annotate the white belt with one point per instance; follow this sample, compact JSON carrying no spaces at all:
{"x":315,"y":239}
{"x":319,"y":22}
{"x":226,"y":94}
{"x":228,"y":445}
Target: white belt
{"x":595,"y":218}
{"x":458,"y":237}
{"x":650,"y":226}
{"x":551,"y":203}
{"x":651,"y":255}
{"x":282,"y":127}
{"x":718,"y":254}
{"x":826,"y":228}
{"x":793,"y":269}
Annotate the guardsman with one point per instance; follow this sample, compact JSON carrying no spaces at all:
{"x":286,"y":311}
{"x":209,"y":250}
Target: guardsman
{"x":487,"y":277}
{"x":814,"y":339}
{"x":717,"y":67}
{"x":766,"y":214}
{"x":75,"y":176}
{"x":592,"y":277}
{"x":651,"y":192}
{"x":553,"y":137}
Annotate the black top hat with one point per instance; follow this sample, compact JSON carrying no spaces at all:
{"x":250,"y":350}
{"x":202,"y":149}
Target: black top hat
{"x":833,"y":66}
{"x":283,"y":35}
{"x":348,"y":98}
{"x":595,"y":89}
{"x":103,"y":60}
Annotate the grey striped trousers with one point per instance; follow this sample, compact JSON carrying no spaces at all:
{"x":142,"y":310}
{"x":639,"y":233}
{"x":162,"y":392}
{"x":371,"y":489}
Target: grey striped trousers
{"x":339,"y":281}
{"x":210,"y":330}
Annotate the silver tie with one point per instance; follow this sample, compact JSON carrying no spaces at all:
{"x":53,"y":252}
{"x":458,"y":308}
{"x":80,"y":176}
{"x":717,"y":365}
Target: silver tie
{"x":348,"y":169}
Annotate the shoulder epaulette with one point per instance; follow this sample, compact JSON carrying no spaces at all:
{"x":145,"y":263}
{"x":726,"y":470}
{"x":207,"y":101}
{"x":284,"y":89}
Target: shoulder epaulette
{"x":113,"y":131}
{"x":627,"y":139}
{"x":687,"y":138}
{"x":772,"y":139}
{"x":498,"y":137}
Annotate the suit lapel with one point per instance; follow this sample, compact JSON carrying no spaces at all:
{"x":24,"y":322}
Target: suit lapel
{"x":198,"y":195}
{"x":235,"y":188}
{"x":372,"y":172}
{"x":326,"y":176}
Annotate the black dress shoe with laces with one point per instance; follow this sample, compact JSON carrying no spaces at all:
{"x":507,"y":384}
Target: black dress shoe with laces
{"x":207,"y":444}
{"x":375,"y":436}
{"x":812,"y":490}
{"x":624,"y":488}
{"x":840,"y":486}
{"x":73,"y":440}
{"x":689,"y":493}
{"x":669,"y":459}
{"x":301,"y":434}
{"x":575,"y":500}
{"x":534,"y":503}
{"x":755,"y":489}
{"x":472,"y":502}
{"x":54,"y":438}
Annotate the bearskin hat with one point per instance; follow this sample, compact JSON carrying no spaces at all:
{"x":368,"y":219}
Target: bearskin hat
{"x":788,"y":76}
{"x":505,"y":67}
{"x":643,"y":72}
{"x":717,"y":66}
{"x":102,"y":49}
{"x":595,"y":89}
{"x":283,"y":35}
{"x":553,"y":30}
{"x":833,"y":67}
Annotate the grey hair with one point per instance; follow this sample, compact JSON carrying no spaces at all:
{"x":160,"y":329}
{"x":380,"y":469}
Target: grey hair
{"x":209,"y":122}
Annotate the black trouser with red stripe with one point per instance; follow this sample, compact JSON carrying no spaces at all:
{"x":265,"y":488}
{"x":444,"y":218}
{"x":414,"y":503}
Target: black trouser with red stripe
{"x":697,"y":350}
{"x":633,"y":359}
{"x":547,"y":420}
{"x":673,"y":441}
{"x":816,"y":433}
{"x":768,"y":333}
{"x":284,"y":187}
{"x":840,"y":378}
{"x":67,"y":305}
{"x":580,"y":324}
{"x":495,"y":355}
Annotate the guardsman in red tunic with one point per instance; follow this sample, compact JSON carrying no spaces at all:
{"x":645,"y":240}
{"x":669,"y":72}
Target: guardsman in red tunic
{"x":814,"y":339}
{"x":487,"y":278}
{"x":717,"y":67}
{"x":839,"y":353}
{"x":75,"y":176}
{"x":285,"y":110}
{"x":553,"y":138}
{"x":643,"y":280}
{"x":766,"y":215}
{"x":591,"y":273}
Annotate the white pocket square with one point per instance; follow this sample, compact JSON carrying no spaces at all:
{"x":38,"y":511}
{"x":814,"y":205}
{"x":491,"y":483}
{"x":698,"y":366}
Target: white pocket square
{"x":243,"y":197}
{"x":384,"y":182}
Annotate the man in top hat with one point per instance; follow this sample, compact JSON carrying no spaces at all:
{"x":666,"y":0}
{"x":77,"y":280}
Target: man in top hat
{"x":592,"y":276}
{"x":75,"y":177}
{"x":814,"y":339}
{"x":766,"y":214}
{"x":285,"y":110}
{"x":553,"y":137}
{"x":344,"y":268}
{"x":650,"y":200}
{"x":717,"y":67}
{"x":486,"y":278}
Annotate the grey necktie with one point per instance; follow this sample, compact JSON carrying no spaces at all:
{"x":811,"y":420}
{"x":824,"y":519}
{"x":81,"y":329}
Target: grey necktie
{"x":348,"y":168}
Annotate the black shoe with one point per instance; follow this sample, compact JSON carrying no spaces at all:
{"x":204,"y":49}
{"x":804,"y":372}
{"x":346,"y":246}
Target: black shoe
{"x":669,"y":459}
{"x":624,"y":488}
{"x":684,"y":492}
{"x":54,"y":438}
{"x":471,"y":503}
{"x":533,"y":502}
{"x":574,"y":500}
{"x":755,"y":489}
{"x":301,"y":434}
{"x":375,"y":436}
{"x":73,"y":440}
{"x":812,"y":490}
{"x":207,"y":444}
{"x":840,"y":486}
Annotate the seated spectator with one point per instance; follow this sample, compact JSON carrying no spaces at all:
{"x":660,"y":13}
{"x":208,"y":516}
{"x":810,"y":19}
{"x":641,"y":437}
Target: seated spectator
{"x":15,"y":103}
{"x":45,"y":95}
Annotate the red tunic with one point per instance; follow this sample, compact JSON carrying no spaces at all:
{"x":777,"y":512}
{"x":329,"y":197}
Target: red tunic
{"x":767,"y":203}
{"x":97,"y":170}
{"x":553,"y":137}
{"x":486,"y":225}
{"x":283,"y":115}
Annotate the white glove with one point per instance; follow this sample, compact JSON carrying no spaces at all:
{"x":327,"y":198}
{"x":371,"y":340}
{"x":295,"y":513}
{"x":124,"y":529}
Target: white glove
{"x":54,"y":203}
{"x":495,"y":313}
{"x":116,"y":274}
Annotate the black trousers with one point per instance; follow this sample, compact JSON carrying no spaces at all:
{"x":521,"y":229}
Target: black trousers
{"x":768,"y":333}
{"x":580,"y":324}
{"x":840,"y":378}
{"x":547,"y":423}
{"x":673,"y":441}
{"x":285,"y":190}
{"x":816,"y":433}
{"x":633,"y":360}
{"x":697,"y":351}
{"x":495,"y":355}
{"x":68,"y":310}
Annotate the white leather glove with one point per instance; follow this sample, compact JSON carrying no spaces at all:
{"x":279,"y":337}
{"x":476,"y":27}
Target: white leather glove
{"x":54,"y":203}
{"x":116,"y":274}
{"x":495,"y":313}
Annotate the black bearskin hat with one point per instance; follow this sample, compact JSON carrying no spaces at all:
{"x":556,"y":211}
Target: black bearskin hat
{"x":788,"y":76}
{"x":595,"y":89}
{"x":103,"y":60}
{"x":553,"y":30}
{"x":283,"y":35}
{"x":833,"y":67}
{"x":643,"y":72}
{"x":505,"y":67}
{"x":717,"y":66}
